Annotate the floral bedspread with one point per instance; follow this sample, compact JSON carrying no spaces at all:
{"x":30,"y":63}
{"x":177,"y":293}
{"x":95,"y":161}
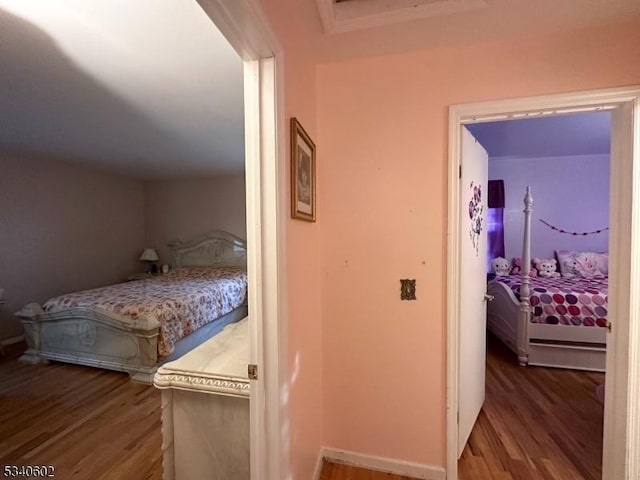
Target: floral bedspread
{"x":565,"y":301}
{"x":182,"y":300}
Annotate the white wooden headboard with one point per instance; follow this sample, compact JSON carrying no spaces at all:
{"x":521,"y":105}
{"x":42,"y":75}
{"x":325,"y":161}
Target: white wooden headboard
{"x":216,"y":248}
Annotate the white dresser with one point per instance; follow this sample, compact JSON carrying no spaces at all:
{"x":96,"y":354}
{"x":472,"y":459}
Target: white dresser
{"x":205,"y":409}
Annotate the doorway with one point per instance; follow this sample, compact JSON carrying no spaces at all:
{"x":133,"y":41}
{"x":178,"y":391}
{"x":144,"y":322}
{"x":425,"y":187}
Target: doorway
{"x":620,"y":445}
{"x":246,"y":28}
{"x":545,"y":421}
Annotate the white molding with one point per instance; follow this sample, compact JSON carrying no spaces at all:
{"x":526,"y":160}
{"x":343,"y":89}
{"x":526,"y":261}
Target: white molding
{"x":621,"y":458}
{"x":201,"y":382}
{"x":254,"y":266}
{"x":634,"y":308}
{"x":327,"y":16}
{"x":319,"y":462}
{"x":349,"y":16}
{"x":381,"y":464}
{"x":527,"y":107}
{"x":622,"y":413}
{"x":12,"y":340}
{"x":508,"y":158}
{"x":246,"y":27}
{"x":453,"y":287}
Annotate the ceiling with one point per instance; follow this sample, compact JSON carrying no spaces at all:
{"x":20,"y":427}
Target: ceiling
{"x":144,"y":88}
{"x":555,"y":136}
{"x":453,"y":26}
{"x":150,"y":88}
{"x":348,"y":15}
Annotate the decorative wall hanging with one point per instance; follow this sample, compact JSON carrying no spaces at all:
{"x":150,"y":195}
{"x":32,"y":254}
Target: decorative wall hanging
{"x":476,"y":209}
{"x":303,"y":174}
{"x":574,"y":233}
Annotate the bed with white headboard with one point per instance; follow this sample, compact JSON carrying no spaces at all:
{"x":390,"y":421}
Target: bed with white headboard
{"x":560,"y":321}
{"x":136,"y":326}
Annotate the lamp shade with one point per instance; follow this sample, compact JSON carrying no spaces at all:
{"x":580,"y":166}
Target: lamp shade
{"x":149,"y":255}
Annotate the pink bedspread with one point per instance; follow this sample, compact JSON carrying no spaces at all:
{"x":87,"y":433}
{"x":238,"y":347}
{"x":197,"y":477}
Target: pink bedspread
{"x":565,"y":301}
{"x":182,"y":300}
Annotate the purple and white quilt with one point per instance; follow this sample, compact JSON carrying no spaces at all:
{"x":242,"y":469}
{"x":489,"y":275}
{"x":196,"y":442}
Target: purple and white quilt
{"x":575,"y":301}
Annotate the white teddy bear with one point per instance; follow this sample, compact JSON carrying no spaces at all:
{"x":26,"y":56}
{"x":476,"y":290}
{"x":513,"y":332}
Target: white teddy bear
{"x":546,"y":267}
{"x":500,"y":266}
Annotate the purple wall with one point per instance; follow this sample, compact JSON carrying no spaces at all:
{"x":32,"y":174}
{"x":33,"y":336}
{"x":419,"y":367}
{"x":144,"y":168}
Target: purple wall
{"x":571,"y":193}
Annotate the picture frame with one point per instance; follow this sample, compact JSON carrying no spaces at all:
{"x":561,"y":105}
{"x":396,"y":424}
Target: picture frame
{"x":303,"y":174}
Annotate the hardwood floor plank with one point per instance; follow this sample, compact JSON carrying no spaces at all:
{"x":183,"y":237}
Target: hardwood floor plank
{"x":536,"y":423}
{"x":340,"y":471}
{"x":89,"y":423}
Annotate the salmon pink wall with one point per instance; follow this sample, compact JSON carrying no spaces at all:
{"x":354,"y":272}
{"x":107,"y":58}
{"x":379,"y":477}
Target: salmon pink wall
{"x":303,"y":296}
{"x":304,"y":386}
{"x":382,"y":137}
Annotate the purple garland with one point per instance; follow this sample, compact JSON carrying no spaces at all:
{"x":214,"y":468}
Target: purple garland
{"x":574,"y":233}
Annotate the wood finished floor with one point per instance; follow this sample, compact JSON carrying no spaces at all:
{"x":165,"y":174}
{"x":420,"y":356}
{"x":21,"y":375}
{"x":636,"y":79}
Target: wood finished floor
{"x":337,"y":471}
{"x":89,"y":423}
{"x":536,"y":423}
{"x":95,"y":424}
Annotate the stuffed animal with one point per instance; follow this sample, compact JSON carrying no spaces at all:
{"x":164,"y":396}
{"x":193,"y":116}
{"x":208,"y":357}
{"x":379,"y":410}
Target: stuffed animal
{"x":500,"y":266}
{"x":546,"y":267}
{"x":517,"y":268}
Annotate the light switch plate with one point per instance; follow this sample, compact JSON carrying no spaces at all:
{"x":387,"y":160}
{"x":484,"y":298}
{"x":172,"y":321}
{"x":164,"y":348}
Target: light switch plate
{"x":407,"y":289}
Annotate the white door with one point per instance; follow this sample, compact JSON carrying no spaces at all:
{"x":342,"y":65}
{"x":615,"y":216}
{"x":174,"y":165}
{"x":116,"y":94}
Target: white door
{"x":473,"y":281}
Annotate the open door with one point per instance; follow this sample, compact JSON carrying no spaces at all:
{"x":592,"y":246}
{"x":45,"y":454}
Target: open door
{"x":621,"y":447}
{"x":473,"y":282}
{"x":623,"y":199}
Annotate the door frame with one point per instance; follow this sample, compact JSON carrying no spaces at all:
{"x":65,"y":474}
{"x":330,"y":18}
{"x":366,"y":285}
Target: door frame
{"x":246,"y":27}
{"x":621,"y":438}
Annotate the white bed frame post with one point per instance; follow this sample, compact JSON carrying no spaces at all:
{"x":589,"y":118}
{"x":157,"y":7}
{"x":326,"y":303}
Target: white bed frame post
{"x":29,"y":314}
{"x":525,"y":309}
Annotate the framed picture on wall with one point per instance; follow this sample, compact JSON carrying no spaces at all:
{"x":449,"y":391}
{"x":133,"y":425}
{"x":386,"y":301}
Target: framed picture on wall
{"x":303,"y":174}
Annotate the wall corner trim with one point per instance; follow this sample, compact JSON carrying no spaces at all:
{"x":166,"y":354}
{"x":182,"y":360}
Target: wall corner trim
{"x":383,"y":464}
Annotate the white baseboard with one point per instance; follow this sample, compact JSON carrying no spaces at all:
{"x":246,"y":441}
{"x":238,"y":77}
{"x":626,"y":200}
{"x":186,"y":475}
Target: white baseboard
{"x":390,"y":465}
{"x":12,"y":340}
{"x":318,"y":471}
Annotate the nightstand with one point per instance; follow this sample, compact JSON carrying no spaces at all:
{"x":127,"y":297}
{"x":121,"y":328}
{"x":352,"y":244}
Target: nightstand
{"x":141,"y":276}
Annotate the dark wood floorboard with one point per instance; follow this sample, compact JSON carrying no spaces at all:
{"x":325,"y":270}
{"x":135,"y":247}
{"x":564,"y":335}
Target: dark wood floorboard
{"x":536,"y":423}
{"x":87,"y":422}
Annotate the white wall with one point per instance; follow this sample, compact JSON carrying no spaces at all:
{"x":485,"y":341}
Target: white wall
{"x":63,"y":228}
{"x":183,"y":209}
{"x":571,"y":193}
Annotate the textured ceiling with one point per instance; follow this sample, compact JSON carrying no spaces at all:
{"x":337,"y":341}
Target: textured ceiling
{"x":148,"y":88}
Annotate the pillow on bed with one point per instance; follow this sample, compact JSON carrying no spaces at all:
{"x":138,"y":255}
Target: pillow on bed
{"x":517,"y":268}
{"x":582,"y":264}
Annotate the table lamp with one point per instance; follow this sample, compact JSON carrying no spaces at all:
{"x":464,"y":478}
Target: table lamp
{"x":149,"y":255}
